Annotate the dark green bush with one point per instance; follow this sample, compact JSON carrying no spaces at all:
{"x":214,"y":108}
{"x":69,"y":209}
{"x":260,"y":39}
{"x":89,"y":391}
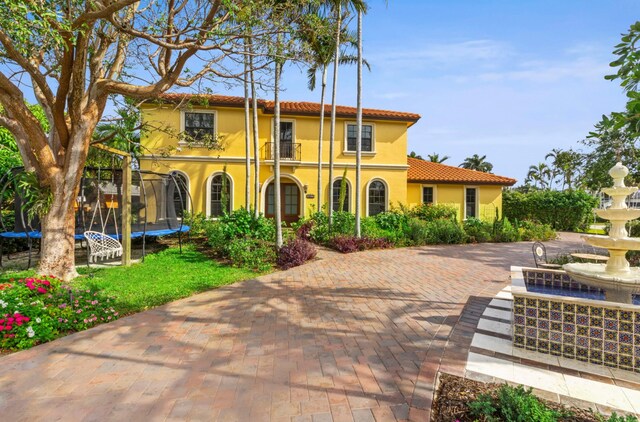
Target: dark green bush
{"x":566,"y":210}
{"x":504,"y":231}
{"x":529,"y":230}
{"x":418,"y":231}
{"x":255,"y":254}
{"x":242,"y":223}
{"x":478,"y":231}
{"x":512,"y":404}
{"x":444,"y":231}
{"x":430,"y":212}
{"x":199,"y":224}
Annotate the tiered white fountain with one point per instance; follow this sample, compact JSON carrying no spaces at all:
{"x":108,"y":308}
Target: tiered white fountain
{"x":616,"y":278}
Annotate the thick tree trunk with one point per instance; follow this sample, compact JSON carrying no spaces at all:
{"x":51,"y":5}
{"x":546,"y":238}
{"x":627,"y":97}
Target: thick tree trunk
{"x":58,"y":227}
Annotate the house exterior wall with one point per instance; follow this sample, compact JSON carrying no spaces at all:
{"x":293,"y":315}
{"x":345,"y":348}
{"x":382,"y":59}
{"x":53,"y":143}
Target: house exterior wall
{"x":489,"y":198}
{"x":165,"y":154}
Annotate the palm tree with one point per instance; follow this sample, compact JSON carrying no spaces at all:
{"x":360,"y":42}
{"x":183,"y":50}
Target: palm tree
{"x":435,"y":158}
{"x":541,"y":175}
{"x":477,"y":163}
{"x":256,"y":139}
{"x":320,"y":40}
{"x":359,"y":126}
{"x":334,"y":89}
{"x":337,"y":7}
{"x":413,"y":154}
{"x":565,"y":164}
{"x":247,"y":135}
{"x":276,"y":143}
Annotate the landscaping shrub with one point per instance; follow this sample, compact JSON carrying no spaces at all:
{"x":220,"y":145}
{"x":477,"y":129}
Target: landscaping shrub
{"x":217,"y":238}
{"x":255,"y":254}
{"x":562,"y":210}
{"x":418,"y":231}
{"x":199,"y":224}
{"x":478,"y":231}
{"x":36,"y":310}
{"x":529,"y":230}
{"x":303,"y":229}
{"x":242,"y":223}
{"x":504,"y":231}
{"x":348,"y":244}
{"x":512,"y":404}
{"x":295,"y":252}
{"x":430,"y":212}
{"x":445,"y":231}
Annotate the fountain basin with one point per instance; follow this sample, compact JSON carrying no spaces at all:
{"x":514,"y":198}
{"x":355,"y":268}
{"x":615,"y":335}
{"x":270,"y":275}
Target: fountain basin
{"x":584,"y":328}
{"x":621,"y":214}
{"x":619,"y":190}
{"x":625,"y":244}
{"x":619,"y":286}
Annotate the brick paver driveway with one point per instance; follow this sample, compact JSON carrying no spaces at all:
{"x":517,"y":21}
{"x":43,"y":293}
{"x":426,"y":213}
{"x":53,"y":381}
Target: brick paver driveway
{"x":357,"y":337}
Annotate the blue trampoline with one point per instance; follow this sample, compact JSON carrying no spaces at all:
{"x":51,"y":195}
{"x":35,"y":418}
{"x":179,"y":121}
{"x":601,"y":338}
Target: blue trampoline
{"x":158,"y":202}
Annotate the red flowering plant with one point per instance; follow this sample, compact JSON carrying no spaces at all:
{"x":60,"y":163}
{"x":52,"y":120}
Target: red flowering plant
{"x":37,"y":310}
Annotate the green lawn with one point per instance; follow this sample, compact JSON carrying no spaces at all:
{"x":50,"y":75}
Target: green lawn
{"x":163,"y":277}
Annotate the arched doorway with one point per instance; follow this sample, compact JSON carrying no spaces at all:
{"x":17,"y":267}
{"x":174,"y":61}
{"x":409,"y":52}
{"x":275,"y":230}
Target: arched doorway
{"x":290,"y":200}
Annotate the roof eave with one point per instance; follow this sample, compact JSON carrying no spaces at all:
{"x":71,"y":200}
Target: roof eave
{"x":462,"y":182}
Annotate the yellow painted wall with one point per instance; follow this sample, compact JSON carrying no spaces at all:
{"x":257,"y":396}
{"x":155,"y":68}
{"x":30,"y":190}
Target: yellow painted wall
{"x":489,"y":198}
{"x":388,"y":163}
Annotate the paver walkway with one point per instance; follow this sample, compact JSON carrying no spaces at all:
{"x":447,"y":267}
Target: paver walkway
{"x":352,"y":337}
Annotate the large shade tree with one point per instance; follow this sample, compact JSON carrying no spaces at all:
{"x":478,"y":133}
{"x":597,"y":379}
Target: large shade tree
{"x":73,"y":56}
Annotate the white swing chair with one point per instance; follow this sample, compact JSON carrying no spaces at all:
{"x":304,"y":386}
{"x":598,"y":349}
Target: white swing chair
{"x":101,"y":245}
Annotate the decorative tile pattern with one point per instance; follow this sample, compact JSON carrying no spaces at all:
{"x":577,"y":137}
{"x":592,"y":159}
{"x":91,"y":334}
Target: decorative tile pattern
{"x":588,"y":333}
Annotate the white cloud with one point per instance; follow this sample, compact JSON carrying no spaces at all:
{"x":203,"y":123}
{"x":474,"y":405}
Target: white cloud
{"x":446,"y":54}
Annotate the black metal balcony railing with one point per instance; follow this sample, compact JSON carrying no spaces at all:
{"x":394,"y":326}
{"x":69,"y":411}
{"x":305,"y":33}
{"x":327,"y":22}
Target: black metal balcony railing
{"x":288,"y":151}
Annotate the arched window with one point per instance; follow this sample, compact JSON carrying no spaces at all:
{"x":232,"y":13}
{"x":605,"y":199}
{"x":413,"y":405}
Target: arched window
{"x":220,"y":191}
{"x":336,"y":195}
{"x":179,"y":193}
{"x":377,"y":197}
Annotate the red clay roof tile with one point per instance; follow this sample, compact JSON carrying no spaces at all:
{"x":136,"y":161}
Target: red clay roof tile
{"x":428,"y":172}
{"x":292,"y":107}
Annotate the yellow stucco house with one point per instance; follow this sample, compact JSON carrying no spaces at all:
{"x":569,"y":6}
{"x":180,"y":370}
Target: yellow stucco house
{"x":388,"y":177}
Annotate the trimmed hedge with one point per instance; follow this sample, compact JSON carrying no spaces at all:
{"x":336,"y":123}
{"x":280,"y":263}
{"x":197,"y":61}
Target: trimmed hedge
{"x":566,"y":210}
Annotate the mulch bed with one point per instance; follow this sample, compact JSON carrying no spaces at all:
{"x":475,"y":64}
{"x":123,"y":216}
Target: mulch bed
{"x":454,"y":393}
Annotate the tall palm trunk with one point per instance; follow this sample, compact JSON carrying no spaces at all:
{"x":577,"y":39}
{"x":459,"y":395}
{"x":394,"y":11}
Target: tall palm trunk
{"x":247,"y":135}
{"x":256,"y":139}
{"x":276,"y":152}
{"x":332,"y":131}
{"x":359,"y":125}
{"x":321,"y":134}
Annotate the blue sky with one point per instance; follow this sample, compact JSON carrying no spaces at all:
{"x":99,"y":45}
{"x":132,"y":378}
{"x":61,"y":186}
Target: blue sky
{"x":509,"y":79}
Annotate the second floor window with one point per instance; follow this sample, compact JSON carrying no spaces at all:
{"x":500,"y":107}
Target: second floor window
{"x":199,"y":126}
{"x":367,"y":138}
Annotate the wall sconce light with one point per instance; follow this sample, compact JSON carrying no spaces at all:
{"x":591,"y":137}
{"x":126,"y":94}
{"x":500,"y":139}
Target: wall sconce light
{"x":305,"y":188}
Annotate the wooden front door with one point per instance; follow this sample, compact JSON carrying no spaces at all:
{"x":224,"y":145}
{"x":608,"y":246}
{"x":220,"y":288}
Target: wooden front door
{"x":289,"y":202}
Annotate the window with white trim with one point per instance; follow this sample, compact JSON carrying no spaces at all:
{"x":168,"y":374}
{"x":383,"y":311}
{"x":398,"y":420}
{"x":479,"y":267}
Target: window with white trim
{"x":220,"y":195}
{"x":470,"y":202}
{"x":428,"y":196}
{"x":199,"y":126}
{"x":367,"y":138}
{"x":377,"y":197}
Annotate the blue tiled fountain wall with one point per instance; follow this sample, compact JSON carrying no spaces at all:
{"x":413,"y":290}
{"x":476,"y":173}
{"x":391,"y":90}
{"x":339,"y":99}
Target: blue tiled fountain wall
{"x":579,"y":329}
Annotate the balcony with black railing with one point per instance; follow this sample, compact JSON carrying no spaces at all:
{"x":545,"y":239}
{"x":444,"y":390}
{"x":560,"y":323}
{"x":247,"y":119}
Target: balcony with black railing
{"x":288,"y":151}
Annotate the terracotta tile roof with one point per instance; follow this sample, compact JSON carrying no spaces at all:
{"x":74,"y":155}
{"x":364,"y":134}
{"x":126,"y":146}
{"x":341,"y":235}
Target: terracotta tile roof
{"x":297,"y":108}
{"x":428,"y":172}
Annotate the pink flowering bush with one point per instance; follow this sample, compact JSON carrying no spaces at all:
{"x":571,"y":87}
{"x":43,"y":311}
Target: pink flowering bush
{"x":37,"y":310}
